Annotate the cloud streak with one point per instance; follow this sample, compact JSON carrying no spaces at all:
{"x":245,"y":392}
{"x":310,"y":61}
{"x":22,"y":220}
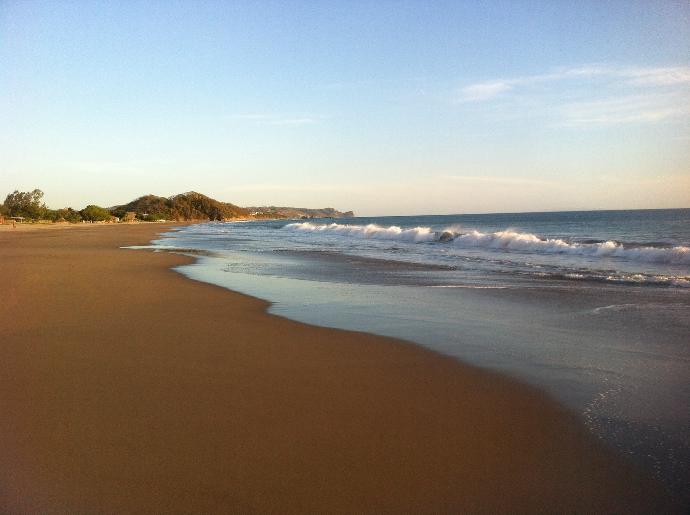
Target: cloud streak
{"x":631,"y":76}
{"x":292,"y":121}
{"x":594,"y":95}
{"x":277,"y":119}
{"x":658,"y":76}
{"x":484,"y":91}
{"x":626,"y":109}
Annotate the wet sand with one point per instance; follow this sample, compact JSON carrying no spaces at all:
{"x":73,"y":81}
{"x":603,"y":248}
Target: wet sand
{"x":125,"y":387}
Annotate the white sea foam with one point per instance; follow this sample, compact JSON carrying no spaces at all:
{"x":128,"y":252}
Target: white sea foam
{"x":507,"y":240}
{"x":526,"y":242}
{"x":646,"y":306}
{"x":469,"y":287}
{"x":373,"y":231}
{"x":614,"y":307}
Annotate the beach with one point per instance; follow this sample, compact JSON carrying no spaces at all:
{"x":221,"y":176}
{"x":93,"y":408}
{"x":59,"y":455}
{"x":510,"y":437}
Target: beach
{"x":126,"y":387}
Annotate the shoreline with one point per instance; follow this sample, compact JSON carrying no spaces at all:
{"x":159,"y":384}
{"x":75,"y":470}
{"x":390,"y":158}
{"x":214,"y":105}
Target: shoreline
{"x":128,"y":387}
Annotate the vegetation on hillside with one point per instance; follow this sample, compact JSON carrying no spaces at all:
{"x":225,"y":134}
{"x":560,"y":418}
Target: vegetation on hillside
{"x":189,"y":206}
{"x":185,"y":206}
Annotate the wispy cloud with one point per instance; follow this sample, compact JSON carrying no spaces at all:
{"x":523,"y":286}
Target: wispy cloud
{"x":251,"y":116}
{"x":631,"y":76}
{"x":484,"y":91}
{"x":591,"y":95}
{"x":277,"y":119}
{"x":293,"y":121}
{"x":625,"y":110}
{"x":487,"y":90}
{"x":658,"y":76}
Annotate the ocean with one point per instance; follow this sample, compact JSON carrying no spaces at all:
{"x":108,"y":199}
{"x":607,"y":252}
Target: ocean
{"x":592,"y":307}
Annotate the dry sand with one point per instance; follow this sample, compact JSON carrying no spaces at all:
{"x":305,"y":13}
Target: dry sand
{"x":125,"y":387}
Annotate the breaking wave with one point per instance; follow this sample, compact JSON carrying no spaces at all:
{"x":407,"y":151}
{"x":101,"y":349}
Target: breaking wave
{"x":373,"y":231}
{"x":525,"y":242}
{"x":507,"y":240}
{"x":619,"y":278}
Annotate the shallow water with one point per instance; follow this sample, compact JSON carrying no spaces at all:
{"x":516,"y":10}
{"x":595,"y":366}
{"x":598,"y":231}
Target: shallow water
{"x":592,"y":307}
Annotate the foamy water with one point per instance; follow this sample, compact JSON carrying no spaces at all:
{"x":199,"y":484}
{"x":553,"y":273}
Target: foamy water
{"x":592,"y":307}
{"x":507,"y":240}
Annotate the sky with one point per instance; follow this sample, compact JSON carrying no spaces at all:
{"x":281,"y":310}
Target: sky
{"x":386,"y":107}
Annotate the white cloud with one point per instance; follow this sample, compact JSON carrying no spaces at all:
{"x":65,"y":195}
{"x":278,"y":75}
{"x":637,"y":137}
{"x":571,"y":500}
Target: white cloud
{"x":488,"y":90}
{"x":592,"y":95}
{"x":251,"y":116}
{"x":668,"y":76}
{"x":581,"y":71}
{"x":277,"y":119}
{"x":292,"y":121}
{"x":625,"y":110}
{"x":483,"y":91}
{"x":659,"y":76}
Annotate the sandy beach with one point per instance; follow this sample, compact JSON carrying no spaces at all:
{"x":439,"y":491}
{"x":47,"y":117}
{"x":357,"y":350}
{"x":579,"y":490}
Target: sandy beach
{"x":127,"y":388}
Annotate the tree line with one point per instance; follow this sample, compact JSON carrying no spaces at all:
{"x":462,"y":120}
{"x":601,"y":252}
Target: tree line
{"x":29,"y":205}
{"x":188,"y":206}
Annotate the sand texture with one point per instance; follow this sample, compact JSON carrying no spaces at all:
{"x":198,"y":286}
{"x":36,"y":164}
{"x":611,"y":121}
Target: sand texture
{"x":127,"y":388}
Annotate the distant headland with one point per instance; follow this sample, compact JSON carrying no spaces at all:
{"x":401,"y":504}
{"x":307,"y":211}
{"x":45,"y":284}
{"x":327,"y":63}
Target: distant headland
{"x":28,"y":206}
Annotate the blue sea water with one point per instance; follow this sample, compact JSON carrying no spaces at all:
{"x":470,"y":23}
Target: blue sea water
{"x":593,"y":307}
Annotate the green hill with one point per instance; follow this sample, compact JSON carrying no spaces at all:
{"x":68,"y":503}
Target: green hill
{"x":185,"y":206}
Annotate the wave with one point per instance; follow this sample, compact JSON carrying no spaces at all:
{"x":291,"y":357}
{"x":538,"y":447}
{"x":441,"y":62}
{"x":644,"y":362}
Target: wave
{"x":372,"y":231}
{"x":618,"y":278}
{"x":469,"y":286}
{"x":507,"y":240}
{"x":639,"y":307}
{"x":526,"y":242}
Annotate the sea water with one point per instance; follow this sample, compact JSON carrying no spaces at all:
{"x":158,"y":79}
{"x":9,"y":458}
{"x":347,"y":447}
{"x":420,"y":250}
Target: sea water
{"x":592,"y":307}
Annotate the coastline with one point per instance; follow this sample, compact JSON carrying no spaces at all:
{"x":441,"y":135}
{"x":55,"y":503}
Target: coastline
{"x":127,"y":387}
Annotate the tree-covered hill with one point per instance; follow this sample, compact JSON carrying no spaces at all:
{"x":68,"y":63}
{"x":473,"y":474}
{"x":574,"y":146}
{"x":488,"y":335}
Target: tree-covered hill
{"x":191,"y":206}
{"x":185,"y":206}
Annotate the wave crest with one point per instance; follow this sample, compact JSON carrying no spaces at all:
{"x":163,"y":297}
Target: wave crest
{"x":502,"y":240}
{"x":373,"y":231}
{"x":526,"y":242}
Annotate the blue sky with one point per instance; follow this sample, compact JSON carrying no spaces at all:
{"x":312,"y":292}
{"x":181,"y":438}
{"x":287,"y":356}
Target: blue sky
{"x":381,"y":107}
